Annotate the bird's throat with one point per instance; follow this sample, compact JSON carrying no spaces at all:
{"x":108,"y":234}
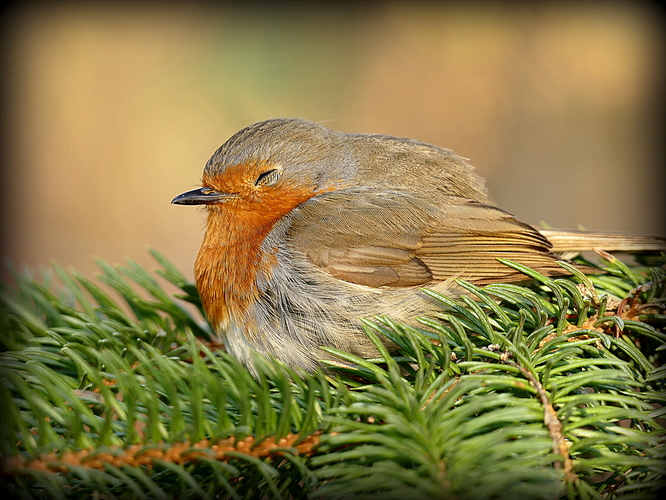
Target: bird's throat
{"x":227,"y":267}
{"x":232,"y":260}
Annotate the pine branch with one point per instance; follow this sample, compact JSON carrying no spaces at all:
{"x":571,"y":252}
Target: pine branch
{"x":539,"y":392}
{"x":554,"y":425}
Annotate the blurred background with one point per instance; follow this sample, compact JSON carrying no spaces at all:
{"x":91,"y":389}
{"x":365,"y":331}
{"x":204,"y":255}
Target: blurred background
{"x":112,"y":109}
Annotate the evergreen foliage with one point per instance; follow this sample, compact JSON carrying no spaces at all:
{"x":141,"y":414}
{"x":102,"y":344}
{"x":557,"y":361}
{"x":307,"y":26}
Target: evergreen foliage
{"x":550,"y":391}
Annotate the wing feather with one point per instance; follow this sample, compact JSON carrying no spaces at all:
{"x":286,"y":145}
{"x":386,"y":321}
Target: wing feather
{"x":392,"y":239}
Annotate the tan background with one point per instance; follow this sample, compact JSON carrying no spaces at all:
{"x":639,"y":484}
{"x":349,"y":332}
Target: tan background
{"x":113,"y":110}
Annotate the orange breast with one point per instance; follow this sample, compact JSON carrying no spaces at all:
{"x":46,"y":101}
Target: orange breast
{"x":231,"y":258}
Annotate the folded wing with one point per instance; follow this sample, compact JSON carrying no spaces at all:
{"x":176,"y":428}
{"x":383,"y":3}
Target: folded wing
{"x":392,"y":239}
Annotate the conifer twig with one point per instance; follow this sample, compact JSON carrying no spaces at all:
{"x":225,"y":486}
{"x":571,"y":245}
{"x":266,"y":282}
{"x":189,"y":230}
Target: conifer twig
{"x":176,"y":453}
{"x":553,"y":423}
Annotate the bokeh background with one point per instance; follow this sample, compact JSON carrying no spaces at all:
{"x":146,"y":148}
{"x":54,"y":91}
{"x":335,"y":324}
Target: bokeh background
{"x":112,"y":109}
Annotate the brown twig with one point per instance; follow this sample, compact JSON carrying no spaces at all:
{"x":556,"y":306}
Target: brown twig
{"x":145,"y":455}
{"x":553,"y":424}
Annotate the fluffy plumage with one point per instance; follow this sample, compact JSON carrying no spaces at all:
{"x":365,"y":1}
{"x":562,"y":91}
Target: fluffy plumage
{"x":309,"y":229}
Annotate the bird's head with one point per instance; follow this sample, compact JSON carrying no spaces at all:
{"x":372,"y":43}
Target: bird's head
{"x":271,"y":167}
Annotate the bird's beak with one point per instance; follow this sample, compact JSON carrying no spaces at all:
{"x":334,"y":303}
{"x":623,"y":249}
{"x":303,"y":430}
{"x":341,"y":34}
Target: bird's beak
{"x":202,"y":196}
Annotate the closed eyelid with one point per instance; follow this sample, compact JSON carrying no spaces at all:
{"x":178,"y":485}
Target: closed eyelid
{"x":274,"y":172}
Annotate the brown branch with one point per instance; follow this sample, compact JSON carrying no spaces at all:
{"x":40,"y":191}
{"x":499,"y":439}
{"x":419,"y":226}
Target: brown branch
{"x":553,"y":424}
{"x":144,"y":454}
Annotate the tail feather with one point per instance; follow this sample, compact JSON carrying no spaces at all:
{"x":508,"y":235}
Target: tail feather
{"x":569,"y":240}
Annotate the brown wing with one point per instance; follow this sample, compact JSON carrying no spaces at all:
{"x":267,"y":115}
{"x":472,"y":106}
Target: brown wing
{"x":390,"y":239}
{"x":473,"y":236}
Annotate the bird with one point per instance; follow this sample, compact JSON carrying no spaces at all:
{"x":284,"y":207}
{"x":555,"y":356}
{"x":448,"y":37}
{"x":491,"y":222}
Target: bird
{"x":310,"y":229}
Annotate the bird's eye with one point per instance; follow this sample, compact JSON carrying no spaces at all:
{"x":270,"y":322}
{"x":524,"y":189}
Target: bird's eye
{"x":268,"y":178}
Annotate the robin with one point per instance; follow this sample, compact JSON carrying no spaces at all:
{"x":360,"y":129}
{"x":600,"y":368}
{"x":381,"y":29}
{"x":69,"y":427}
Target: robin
{"x":310,"y":229}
